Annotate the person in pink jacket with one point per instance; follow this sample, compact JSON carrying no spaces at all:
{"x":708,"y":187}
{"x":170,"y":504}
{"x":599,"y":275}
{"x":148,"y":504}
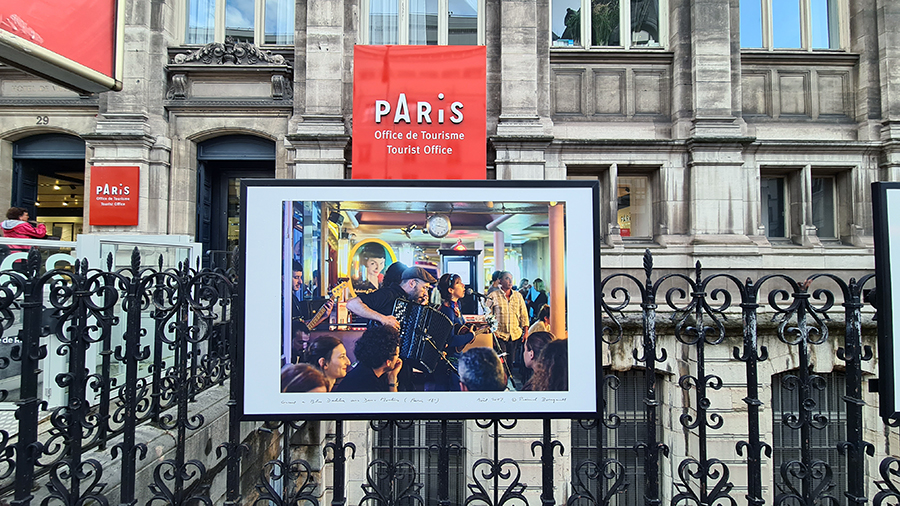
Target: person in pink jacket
{"x":17,"y":225}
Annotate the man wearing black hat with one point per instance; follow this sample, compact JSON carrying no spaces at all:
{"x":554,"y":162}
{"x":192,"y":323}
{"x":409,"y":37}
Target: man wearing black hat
{"x":415,"y":285}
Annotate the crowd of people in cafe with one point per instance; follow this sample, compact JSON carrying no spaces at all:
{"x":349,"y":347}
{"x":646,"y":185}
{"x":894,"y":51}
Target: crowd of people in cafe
{"x":523,"y":353}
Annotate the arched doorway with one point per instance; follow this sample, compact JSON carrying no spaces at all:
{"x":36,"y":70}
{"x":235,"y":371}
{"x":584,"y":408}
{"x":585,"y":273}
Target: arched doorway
{"x":48,"y":181}
{"x":222,"y":162}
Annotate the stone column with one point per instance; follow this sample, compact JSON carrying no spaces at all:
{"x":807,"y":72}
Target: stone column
{"x":124,"y":139}
{"x":717,"y":179}
{"x":317,"y":148}
{"x":132,"y":123}
{"x":524,"y":124}
{"x":888,"y":18}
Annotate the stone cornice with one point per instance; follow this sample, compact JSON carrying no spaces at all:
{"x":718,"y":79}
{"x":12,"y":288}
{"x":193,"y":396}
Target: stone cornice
{"x":230,"y":53}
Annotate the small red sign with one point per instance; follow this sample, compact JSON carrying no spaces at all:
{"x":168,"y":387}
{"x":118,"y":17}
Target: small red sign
{"x":419,"y":112}
{"x":114,"y":195}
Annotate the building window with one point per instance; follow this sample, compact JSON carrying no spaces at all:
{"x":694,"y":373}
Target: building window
{"x":799,"y":204}
{"x":609,"y":23}
{"x":412,"y":444}
{"x":773,"y":208}
{"x":423,"y":22}
{"x":260,"y":22}
{"x":626,"y":401}
{"x":633,"y":207}
{"x":827,"y":401}
{"x":790,"y":24}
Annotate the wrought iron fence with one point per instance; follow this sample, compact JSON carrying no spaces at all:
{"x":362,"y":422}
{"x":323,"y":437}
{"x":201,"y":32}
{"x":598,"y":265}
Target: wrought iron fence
{"x":669,"y":431}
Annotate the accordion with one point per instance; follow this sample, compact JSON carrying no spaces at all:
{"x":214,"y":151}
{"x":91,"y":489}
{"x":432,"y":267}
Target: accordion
{"x":423,"y":333}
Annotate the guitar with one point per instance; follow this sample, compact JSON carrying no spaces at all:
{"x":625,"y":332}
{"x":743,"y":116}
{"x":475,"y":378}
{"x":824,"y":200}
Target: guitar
{"x":323,"y":311}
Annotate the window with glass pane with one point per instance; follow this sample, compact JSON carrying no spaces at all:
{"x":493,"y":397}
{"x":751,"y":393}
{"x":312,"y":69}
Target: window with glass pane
{"x":604,"y":24}
{"x":634,"y":204}
{"x":423,"y":22}
{"x":824,"y":21}
{"x":772,"y":196}
{"x":566,"y":23}
{"x":383,"y":21}
{"x":239,"y":20}
{"x":793,"y":24}
{"x":826,"y":401}
{"x":275,"y":24}
{"x":823,"y":206}
{"x":279,"y":22}
{"x":786,"y":24}
{"x":201,"y":24}
{"x":463,"y":23}
{"x":751,"y":24}
{"x":645,"y":22}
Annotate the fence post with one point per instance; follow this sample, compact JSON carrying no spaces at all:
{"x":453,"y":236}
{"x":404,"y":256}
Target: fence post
{"x":30,"y":352}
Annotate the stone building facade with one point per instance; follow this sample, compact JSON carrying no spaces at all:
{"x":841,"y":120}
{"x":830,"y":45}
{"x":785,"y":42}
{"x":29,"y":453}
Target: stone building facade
{"x":713,"y":140}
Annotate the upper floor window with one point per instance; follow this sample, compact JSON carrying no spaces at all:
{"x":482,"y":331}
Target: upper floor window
{"x":423,"y":22}
{"x":608,"y":23}
{"x":797,"y":203}
{"x":791,"y":24}
{"x":269,"y":22}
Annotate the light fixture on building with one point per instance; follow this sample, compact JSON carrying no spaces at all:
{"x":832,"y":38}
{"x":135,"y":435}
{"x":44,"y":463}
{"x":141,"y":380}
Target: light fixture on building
{"x":56,"y":187}
{"x":37,"y":204}
{"x":65,"y":203}
{"x":459,"y":246}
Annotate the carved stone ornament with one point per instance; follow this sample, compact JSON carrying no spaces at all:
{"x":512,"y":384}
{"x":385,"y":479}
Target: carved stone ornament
{"x":230,"y":53}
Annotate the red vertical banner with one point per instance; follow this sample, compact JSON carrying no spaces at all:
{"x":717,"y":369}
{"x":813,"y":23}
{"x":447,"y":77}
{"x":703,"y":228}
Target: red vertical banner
{"x":114,"y":195}
{"x":419,"y":112}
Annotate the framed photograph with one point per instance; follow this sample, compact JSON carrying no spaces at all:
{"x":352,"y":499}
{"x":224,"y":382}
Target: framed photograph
{"x":886,"y":220}
{"x":364,"y":299}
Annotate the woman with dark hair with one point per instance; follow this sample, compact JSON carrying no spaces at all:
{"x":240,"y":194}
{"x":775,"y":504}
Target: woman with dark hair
{"x":552,"y":367}
{"x":451,"y":289}
{"x":371,"y":259}
{"x":302,"y":378}
{"x":534,"y":345}
{"x":17,"y":225}
{"x":328,"y":355}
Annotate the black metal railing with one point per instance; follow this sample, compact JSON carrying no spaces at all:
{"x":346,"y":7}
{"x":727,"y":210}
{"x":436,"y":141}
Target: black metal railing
{"x":669,"y":431}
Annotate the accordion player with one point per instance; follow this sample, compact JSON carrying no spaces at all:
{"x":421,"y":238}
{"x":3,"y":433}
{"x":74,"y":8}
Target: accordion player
{"x":424,"y":331}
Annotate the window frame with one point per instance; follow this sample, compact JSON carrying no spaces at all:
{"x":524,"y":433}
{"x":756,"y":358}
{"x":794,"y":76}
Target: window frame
{"x":259,"y":24}
{"x":768,"y":34}
{"x":443,"y":27}
{"x":798,"y":212}
{"x":609,"y":176}
{"x":624,"y":29}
